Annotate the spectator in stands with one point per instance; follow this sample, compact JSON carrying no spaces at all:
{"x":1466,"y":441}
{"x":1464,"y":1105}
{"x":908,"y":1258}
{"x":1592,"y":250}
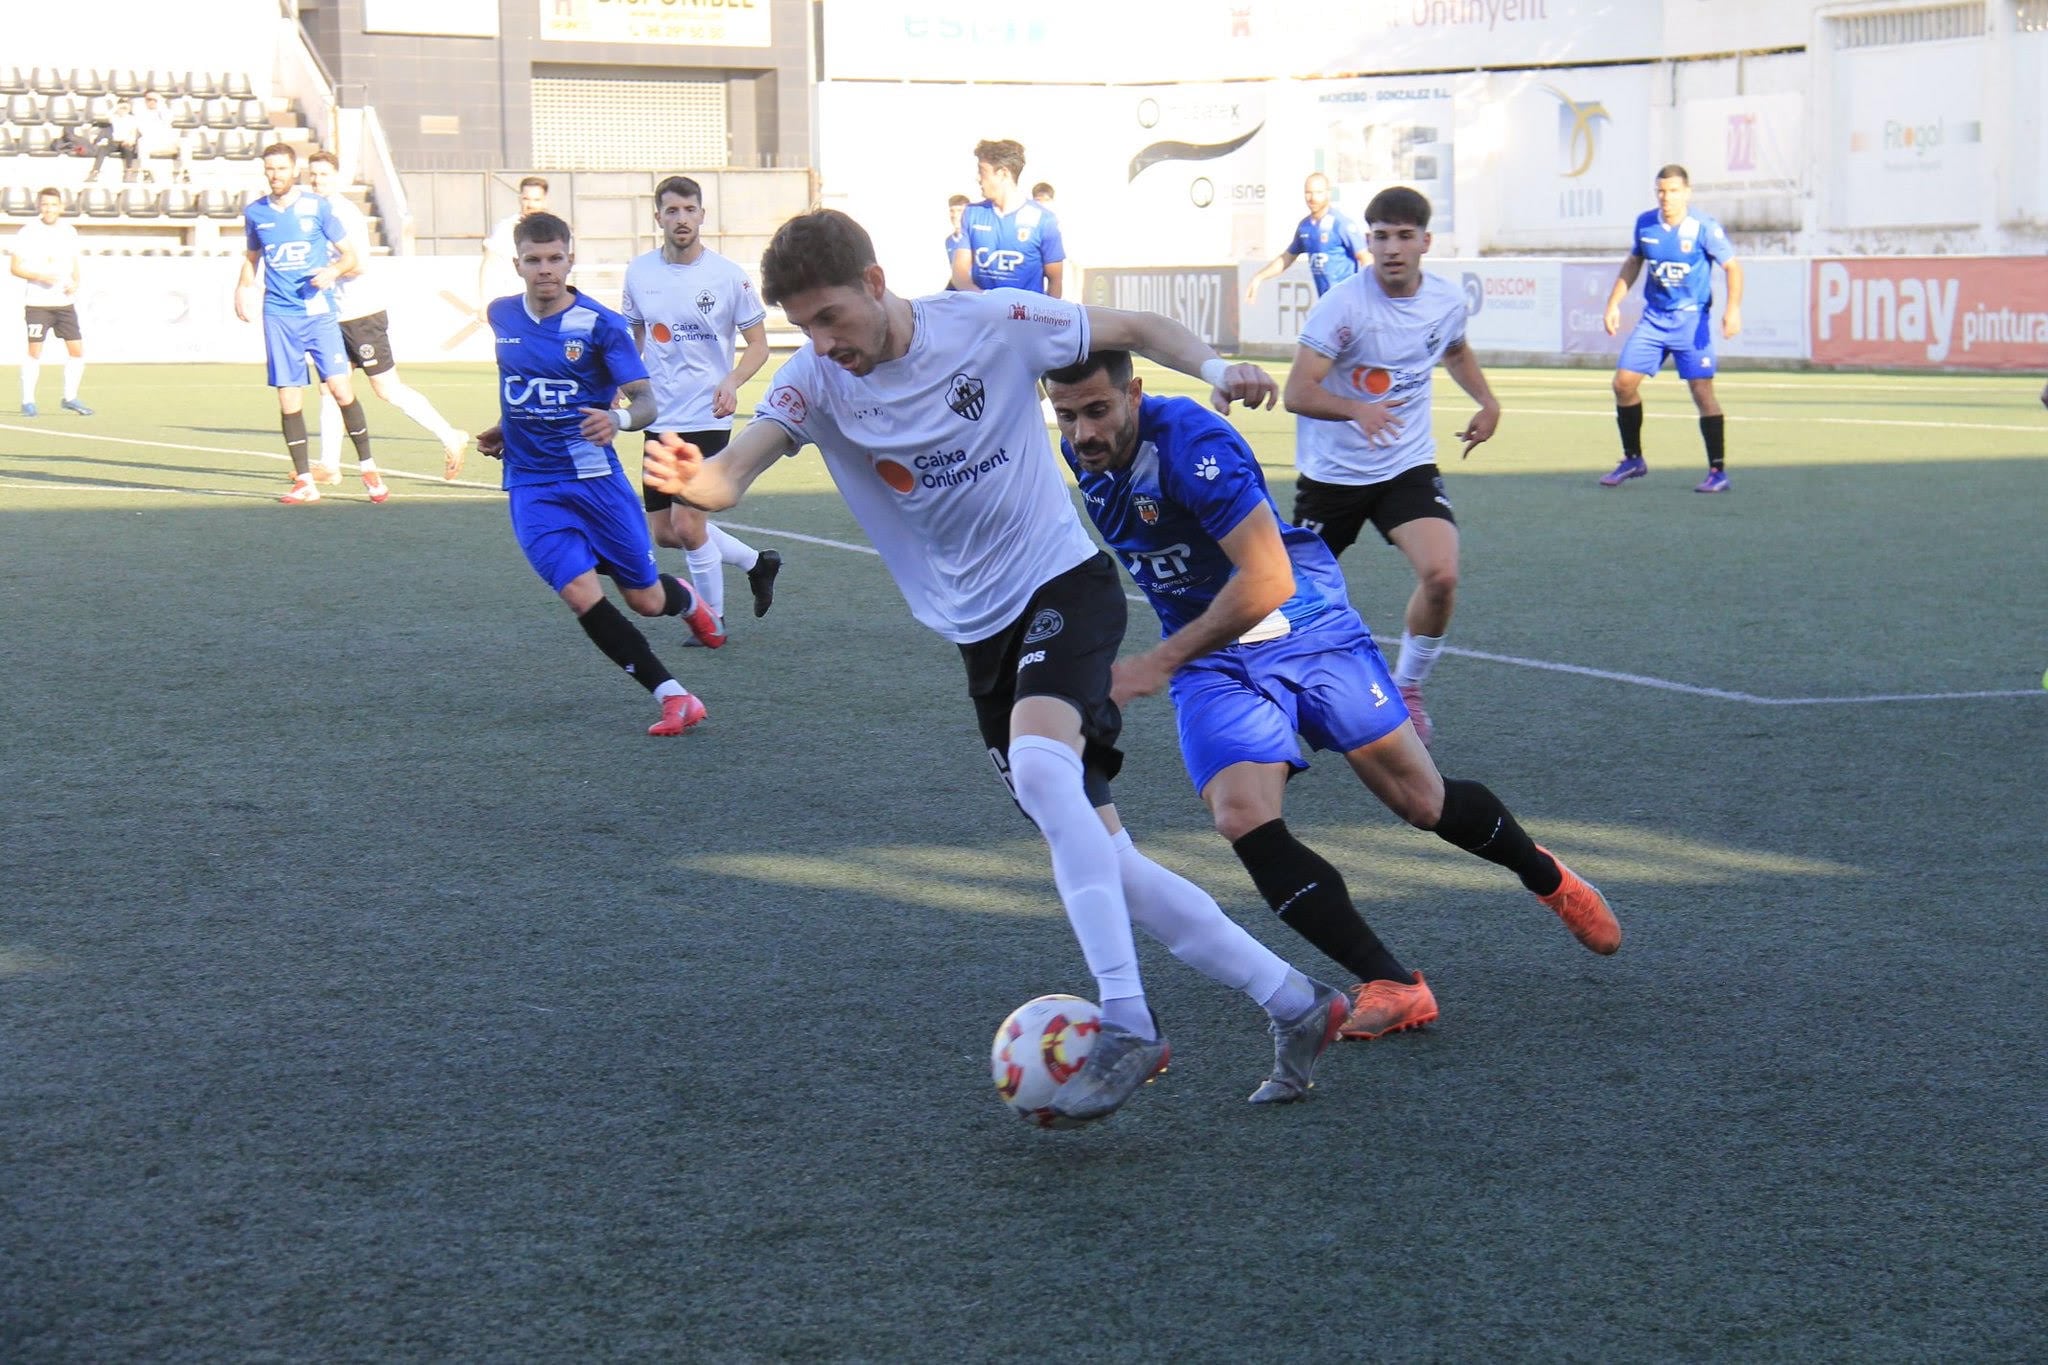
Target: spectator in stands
{"x":155,"y":136}
{"x":121,"y":135}
{"x":499,"y":273}
{"x":1041,"y":193}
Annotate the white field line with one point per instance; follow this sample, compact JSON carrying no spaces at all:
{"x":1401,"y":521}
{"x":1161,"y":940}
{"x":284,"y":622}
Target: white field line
{"x":1512,"y":660}
{"x":211,"y":450}
{"x":2037,"y":428}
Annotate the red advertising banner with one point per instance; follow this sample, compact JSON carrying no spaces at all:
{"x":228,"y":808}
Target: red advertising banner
{"x":1931,"y":312}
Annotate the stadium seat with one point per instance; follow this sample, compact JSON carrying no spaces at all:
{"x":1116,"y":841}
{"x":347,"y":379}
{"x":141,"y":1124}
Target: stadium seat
{"x":13,"y":81}
{"x":184,"y":113}
{"x":165,"y":83}
{"x":179,"y":201}
{"x":10,"y":141}
{"x":70,"y":202}
{"x":87,"y":83}
{"x":24,"y":110}
{"x":220,"y":113}
{"x":215,"y":202}
{"x":97,"y":201}
{"x":254,"y":115}
{"x":201,"y":86}
{"x":140,"y":201}
{"x":124,"y":84}
{"x":240,"y":145}
{"x":18,"y":201}
{"x":66,"y":111}
{"x":206,"y":145}
{"x":39,"y":140}
{"x":47,"y":80}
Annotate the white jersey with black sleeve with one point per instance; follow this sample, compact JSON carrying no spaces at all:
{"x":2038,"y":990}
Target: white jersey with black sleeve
{"x":942,"y":454}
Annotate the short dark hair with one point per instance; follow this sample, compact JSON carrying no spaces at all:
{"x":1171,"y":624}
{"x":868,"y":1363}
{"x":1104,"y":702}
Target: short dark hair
{"x":281,"y":149}
{"x":323,"y":157}
{"x":821,"y":249}
{"x":1005,"y":154}
{"x":1116,"y":364}
{"x":1673,"y":171}
{"x":1043,"y":187}
{"x":1398,"y":206}
{"x":680,"y":186}
{"x":534,"y":182}
{"x":49,"y":192}
{"x":958,"y":201}
{"x":542,"y":227}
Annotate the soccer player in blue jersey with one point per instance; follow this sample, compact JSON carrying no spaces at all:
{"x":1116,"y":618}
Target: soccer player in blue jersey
{"x":1678,"y":303}
{"x":1334,"y":245}
{"x":1260,"y":642}
{"x":569,"y":381}
{"x":303,"y":249}
{"x":956,"y":240}
{"x":1013,"y":241}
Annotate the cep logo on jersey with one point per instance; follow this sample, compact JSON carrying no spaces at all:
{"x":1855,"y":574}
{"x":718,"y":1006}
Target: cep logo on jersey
{"x":288,"y":255}
{"x":1671,"y":274}
{"x":1002,"y":261}
{"x":789,"y":402}
{"x":548,"y":393}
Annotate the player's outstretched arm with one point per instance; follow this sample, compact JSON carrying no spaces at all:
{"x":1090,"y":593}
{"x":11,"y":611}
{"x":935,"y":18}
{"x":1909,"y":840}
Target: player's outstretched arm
{"x":1278,"y":265}
{"x":1461,"y":363}
{"x":675,"y":467}
{"x":1264,"y":579}
{"x":1162,"y":340}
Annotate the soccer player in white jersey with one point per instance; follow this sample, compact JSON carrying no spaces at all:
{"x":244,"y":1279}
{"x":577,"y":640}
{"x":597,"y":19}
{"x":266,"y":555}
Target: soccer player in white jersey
{"x":366,"y":336}
{"x":46,"y":261}
{"x":1359,"y":388}
{"x":685,"y":303}
{"x":926,"y":414}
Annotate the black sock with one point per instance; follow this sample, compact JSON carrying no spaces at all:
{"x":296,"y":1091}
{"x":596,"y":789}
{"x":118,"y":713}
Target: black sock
{"x":294,"y":424}
{"x":623,"y":644}
{"x":1310,"y":897}
{"x":357,"y":426}
{"x":1630,"y":420}
{"x":1476,"y":821}
{"x":1711,"y":431}
{"x":677,"y":596}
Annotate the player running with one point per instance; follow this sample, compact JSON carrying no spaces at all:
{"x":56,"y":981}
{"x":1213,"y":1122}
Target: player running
{"x":569,"y":382}
{"x":1360,"y":386}
{"x":303,"y":249}
{"x":1332,"y":242}
{"x":46,"y":256}
{"x":1678,"y":303}
{"x":685,"y":303}
{"x":1012,"y":240}
{"x":926,"y":414}
{"x":1259,"y":642}
{"x":366,"y":337}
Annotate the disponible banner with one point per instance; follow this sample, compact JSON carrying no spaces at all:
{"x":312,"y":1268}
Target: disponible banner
{"x":1931,"y":312}
{"x":669,"y":23}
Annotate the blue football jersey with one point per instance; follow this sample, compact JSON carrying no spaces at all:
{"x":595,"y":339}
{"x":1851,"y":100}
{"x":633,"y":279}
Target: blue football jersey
{"x":548,"y":368}
{"x":296,"y":238}
{"x":1332,"y":246}
{"x":1165,"y":514}
{"x":1012,"y":251}
{"x":1681,"y":258}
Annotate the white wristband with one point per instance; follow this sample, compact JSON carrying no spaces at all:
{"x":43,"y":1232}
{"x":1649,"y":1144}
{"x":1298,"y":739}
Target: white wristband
{"x":623,"y":417}
{"x":1213,"y":370}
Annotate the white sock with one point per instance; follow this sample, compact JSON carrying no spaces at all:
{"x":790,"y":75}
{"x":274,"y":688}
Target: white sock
{"x":31,"y":371}
{"x":1046,"y":776}
{"x":1187,"y":920}
{"x":414,"y":404}
{"x":1418,"y":656}
{"x":731,"y":549}
{"x":1291,"y":997}
{"x":330,"y":431}
{"x":707,"y":575}
{"x":671,"y":688}
{"x":74,"y":370}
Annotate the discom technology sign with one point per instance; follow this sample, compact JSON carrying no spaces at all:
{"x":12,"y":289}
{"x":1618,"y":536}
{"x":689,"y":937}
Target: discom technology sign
{"x":1201,"y":298}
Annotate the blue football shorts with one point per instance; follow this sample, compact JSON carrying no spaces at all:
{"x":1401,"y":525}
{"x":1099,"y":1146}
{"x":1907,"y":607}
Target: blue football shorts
{"x":287,"y":341}
{"x":1687,"y":338}
{"x":571,"y":526}
{"x":1326,"y":682}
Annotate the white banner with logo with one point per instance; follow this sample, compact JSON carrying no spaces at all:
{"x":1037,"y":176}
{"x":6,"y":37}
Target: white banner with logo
{"x":1907,"y":144}
{"x":1576,"y":156}
{"x":1747,"y":144}
{"x":1773,"y":309}
{"x":1369,"y":134}
{"x":670,"y":23}
{"x":1509,"y":305}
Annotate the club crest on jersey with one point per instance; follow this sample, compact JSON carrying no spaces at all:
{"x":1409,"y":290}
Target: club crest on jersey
{"x":966,"y":396}
{"x":1020,"y":312}
{"x":1044,"y":626}
{"x":1146,"y":508}
{"x":573,"y":350}
{"x":1344,"y":335}
{"x":1433,"y":338}
{"x":706,"y":301}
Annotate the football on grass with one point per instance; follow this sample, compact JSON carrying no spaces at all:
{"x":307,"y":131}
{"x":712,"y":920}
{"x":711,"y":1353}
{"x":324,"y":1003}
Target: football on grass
{"x":1042,"y":1044}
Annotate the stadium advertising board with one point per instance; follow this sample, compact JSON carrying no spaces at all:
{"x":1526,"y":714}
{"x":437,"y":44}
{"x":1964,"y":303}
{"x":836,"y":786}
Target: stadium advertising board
{"x":1576,"y":167}
{"x":1748,"y":144}
{"x":671,"y":23}
{"x":1370,"y":134}
{"x":432,"y":18}
{"x":1931,"y":312}
{"x":1509,"y":305}
{"x":1583,"y":288}
{"x":1201,"y":298}
{"x":1907,"y":145}
{"x":1773,"y":309}
{"x":1273,"y":320}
